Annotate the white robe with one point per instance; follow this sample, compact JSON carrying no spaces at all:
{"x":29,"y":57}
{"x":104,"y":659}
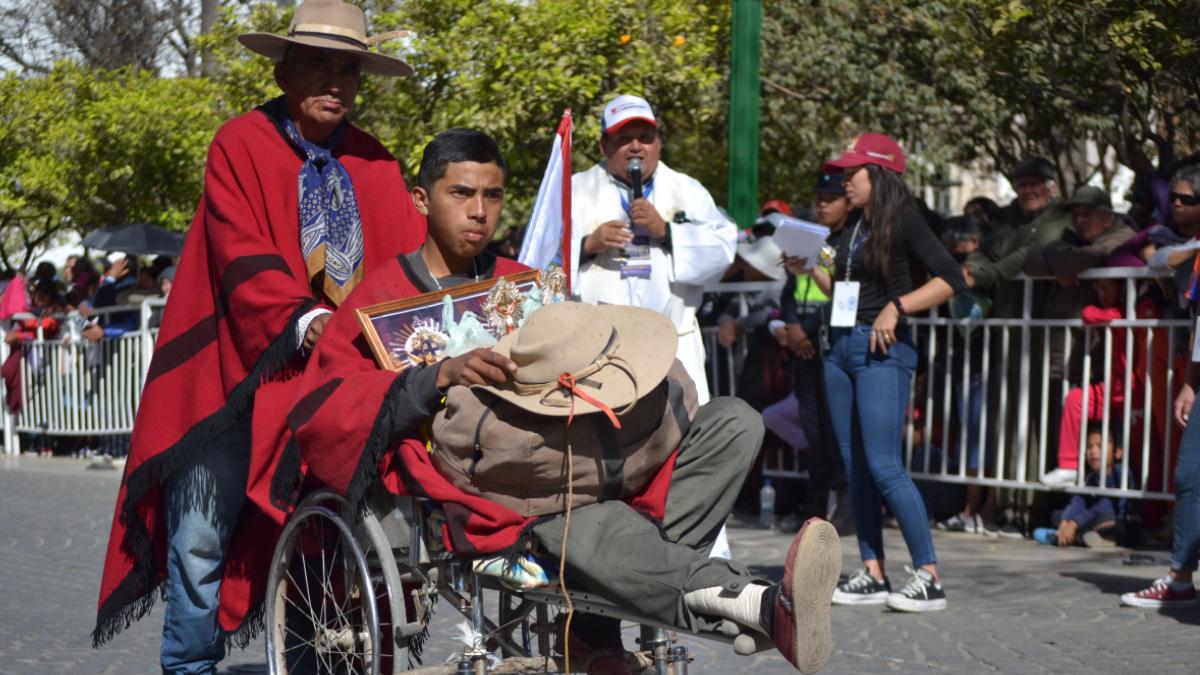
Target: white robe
{"x":701,"y":249}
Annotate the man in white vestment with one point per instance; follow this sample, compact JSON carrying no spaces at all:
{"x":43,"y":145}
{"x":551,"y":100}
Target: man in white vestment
{"x":657,"y":251}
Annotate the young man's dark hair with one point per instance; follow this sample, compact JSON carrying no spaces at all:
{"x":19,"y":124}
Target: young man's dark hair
{"x":457,"y":145}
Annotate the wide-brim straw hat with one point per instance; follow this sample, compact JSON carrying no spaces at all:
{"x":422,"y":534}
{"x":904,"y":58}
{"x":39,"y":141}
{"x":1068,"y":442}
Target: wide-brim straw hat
{"x":616,"y":354}
{"x":330,"y":24}
{"x":764,"y":255}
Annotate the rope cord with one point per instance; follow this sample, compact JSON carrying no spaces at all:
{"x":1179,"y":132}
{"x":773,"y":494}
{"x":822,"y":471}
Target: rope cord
{"x":562,"y":554}
{"x":567,"y":381}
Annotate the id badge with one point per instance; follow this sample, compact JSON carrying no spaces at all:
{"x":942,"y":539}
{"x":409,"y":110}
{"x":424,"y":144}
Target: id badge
{"x":845,"y":304}
{"x":636,"y":260}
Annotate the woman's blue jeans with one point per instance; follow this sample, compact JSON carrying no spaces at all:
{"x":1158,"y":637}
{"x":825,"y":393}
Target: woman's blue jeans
{"x":868,"y":397}
{"x":1185,"y":549}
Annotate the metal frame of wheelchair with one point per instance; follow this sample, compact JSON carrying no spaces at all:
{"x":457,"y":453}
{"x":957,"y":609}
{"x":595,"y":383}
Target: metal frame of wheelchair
{"x":338,"y":584}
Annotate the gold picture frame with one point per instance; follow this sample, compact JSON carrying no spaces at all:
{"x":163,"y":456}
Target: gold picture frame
{"x":405,"y":333}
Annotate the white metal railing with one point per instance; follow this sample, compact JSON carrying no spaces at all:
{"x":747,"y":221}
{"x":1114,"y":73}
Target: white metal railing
{"x":1020,"y":393}
{"x":74,"y":387}
{"x":71,"y":386}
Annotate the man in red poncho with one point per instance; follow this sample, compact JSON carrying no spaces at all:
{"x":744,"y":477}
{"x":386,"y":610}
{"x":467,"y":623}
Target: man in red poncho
{"x":298,"y":206}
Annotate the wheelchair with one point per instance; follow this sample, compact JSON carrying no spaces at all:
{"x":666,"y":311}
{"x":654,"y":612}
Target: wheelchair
{"x":354,"y":593}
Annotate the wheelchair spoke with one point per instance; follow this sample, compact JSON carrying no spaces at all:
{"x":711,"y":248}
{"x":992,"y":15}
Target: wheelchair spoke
{"x":306,"y":596}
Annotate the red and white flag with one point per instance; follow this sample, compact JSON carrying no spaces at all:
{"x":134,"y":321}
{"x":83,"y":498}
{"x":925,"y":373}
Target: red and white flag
{"x":548,"y":235}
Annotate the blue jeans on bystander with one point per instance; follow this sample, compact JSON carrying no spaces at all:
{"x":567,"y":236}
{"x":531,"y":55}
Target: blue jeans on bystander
{"x":203,"y":502}
{"x":1185,"y":551}
{"x":868,"y":397}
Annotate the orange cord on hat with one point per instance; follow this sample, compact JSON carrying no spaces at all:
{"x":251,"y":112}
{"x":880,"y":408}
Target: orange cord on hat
{"x":567,"y":381}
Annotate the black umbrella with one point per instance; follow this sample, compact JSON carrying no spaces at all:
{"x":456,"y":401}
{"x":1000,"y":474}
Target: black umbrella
{"x":137,"y":239}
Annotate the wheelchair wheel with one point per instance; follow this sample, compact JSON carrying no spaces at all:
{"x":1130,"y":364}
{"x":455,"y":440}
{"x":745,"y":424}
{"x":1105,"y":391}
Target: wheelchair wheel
{"x":395,"y":633}
{"x":320,"y":599}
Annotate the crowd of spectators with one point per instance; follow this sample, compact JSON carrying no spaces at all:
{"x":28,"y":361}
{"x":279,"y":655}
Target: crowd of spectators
{"x":66,"y":305}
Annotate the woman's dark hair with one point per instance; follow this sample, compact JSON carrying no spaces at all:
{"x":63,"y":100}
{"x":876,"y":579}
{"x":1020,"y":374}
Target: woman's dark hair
{"x":457,"y":145}
{"x":890,"y":199}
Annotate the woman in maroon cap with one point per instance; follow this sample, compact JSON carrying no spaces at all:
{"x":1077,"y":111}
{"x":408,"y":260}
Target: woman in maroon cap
{"x":871,"y":362}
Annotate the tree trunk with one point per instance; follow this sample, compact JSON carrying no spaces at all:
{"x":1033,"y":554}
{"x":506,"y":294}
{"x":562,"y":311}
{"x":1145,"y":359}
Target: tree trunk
{"x":208,"y":19}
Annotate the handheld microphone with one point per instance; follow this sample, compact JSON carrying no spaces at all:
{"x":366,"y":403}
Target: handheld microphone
{"x":635,"y":176}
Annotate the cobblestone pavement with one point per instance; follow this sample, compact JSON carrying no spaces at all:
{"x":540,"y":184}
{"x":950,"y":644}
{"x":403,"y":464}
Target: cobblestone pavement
{"x":1015,"y":607}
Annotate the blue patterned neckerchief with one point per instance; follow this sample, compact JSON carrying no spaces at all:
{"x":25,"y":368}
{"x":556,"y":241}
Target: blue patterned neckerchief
{"x":331,"y":236}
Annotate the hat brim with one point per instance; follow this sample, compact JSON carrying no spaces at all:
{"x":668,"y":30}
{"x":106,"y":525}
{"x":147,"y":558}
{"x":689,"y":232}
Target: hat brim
{"x":646,"y":340}
{"x":273,"y":47}
{"x":639,"y":118}
{"x":830,"y":190}
{"x":761,"y":260}
{"x":839,"y":165}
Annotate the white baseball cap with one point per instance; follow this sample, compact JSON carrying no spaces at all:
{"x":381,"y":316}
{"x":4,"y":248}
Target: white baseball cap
{"x":624,"y":109}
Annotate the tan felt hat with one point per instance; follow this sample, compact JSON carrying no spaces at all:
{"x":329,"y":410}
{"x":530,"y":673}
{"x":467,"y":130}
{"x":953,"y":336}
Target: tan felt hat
{"x":330,"y":24}
{"x":615,"y":354}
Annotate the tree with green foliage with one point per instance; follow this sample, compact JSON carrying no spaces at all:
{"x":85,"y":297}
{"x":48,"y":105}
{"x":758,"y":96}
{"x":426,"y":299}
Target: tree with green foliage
{"x":82,"y":149}
{"x":982,"y":82}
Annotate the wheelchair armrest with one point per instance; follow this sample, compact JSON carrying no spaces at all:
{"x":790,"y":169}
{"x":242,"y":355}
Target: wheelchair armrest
{"x":404,"y":523}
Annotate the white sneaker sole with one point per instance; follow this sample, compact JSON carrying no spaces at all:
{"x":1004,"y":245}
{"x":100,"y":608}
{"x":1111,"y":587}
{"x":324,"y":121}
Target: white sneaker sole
{"x":902,"y":604}
{"x":1131,"y":600}
{"x":855,"y":599}
{"x":815,"y":571}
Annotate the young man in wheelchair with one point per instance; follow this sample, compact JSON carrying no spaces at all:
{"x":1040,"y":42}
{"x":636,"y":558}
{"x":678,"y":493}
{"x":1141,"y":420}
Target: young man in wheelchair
{"x":578,"y":435}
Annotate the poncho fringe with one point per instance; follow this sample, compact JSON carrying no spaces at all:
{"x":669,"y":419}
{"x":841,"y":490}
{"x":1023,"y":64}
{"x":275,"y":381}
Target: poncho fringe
{"x":137,"y":593}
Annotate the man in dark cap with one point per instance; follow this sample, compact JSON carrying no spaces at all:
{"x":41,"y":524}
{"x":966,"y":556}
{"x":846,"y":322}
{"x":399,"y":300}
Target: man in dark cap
{"x":1035,"y":218}
{"x":1095,"y":232}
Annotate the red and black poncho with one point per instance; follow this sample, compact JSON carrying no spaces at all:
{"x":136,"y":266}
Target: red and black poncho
{"x":229,"y":327}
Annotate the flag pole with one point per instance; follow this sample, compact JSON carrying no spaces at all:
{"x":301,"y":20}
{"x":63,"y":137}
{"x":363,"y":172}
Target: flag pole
{"x":569,"y":123}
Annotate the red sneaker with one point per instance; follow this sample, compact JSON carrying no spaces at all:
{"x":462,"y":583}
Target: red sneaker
{"x":1161,"y":594}
{"x":800,"y":626}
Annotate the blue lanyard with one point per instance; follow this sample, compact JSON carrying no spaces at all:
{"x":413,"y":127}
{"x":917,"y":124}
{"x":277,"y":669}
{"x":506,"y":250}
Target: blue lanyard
{"x":646,"y":190}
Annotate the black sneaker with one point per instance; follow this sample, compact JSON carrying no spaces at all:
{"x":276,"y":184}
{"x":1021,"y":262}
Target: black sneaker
{"x":920,"y":594}
{"x":862,"y":589}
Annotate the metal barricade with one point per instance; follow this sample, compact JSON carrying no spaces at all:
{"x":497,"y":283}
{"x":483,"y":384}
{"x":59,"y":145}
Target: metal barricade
{"x":70,"y":386}
{"x":1002,"y":414}
{"x":995,"y":388}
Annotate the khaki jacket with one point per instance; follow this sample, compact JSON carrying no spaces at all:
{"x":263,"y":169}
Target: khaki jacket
{"x":491,"y":448}
{"x":1001,"y":258}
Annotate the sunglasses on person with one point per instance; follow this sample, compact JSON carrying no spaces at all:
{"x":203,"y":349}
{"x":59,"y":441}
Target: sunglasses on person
{"x":1186,"y":200}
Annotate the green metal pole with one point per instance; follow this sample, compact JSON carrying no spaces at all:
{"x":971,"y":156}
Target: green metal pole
{"x":743,"y":111}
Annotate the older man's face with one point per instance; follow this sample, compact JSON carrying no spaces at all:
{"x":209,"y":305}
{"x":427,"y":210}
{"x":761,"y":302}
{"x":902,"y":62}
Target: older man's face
{"x":320,"y":85}
{"x":635,"y":139}
{"x":1090,"y":222}
{"x":1033,"y":193}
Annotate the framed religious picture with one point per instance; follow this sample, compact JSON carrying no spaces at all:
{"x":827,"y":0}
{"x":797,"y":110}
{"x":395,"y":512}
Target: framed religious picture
{"x":428,"y":328}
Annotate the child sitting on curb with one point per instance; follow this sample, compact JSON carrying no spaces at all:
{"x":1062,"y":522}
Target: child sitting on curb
{"x":1092,"y":520}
